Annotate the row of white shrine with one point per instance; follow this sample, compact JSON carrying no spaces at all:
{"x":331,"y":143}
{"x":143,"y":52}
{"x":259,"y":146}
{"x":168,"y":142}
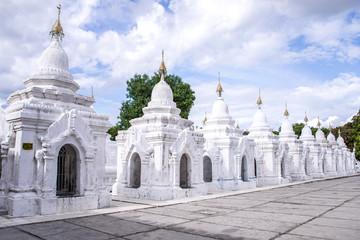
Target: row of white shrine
{"x":55,"y":157}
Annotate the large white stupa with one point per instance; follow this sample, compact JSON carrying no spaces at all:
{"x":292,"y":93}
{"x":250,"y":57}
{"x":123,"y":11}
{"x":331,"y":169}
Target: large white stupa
{"x":54,"y":153}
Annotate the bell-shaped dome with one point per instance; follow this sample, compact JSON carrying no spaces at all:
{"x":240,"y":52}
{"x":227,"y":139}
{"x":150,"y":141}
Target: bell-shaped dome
{"x":54,"y":61}
{"x":286,"y":127}
{"x":306,"y":132}
{"x":331,"y":137}
{"x":259,"y":119}
{"x":162,"y":93}
{"x":341,"y":141}
{"x":320,"y":136}
{"x":220,"y":109}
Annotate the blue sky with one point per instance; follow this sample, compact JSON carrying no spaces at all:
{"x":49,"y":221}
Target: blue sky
{"x":304,"y":53}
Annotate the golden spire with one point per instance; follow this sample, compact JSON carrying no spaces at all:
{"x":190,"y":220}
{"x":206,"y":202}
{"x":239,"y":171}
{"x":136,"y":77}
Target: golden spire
{"x":339,"y":131}
{"x":92,"y":92}
{"x":237,"y":125}
{"x":318,"y":123}
{"x":57,"y":29}
{"x":162,"y":68}
{"x":205,"y":119}
{"x":306,"y":119}
{"x":259,"y":102}
{"x":330,"y":128}
{"x":286,"y":113}
{"x":219,"y":89}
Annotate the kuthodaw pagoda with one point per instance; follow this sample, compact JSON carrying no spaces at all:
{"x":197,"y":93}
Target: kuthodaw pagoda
{"x":56,"y":156}
{"x":53,"y":148}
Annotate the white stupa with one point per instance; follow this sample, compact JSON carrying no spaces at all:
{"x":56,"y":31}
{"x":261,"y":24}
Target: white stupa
{"x":54,"y":154}
{"x":159,"y":156}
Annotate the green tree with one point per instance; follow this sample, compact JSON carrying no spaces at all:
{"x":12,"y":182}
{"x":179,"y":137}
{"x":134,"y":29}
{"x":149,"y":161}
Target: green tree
{"x":138,"y":95}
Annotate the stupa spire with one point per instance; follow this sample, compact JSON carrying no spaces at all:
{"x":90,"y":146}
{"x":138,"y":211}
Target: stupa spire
{"x":286,"y":113}
{"x":318,"y":123}
{"x":57,"y":30}
{"x":162,"y":68}
{"x":219,"y":89}
{"x":259,"y":101}
{"x":306,"y":119}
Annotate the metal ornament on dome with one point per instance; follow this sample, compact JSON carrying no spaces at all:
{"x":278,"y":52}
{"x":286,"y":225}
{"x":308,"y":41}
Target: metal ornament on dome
{"x":318,"y":123}
{"x":259,"y":101}
{"x":162,"y":68}
{"x":286,"y":113}
{"x":57,"y":30}
{"x":306,"y":119}
{"x":219,"y":89}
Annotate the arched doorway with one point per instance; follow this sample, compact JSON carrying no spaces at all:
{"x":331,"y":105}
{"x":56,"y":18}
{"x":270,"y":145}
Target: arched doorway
{"x":185,"y":172}
{"x":66,"y":171}
{"x":135,"y":171}
{"x":283,"y":173}
{"x":255,"y":168}
{"x":207,"y":169}
{"x":244,"y":172}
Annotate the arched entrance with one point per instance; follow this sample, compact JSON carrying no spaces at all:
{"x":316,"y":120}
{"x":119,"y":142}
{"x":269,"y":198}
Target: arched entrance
{"x":244,"y":172}
{"x":283,"y":173}
{"x":66,"y":171}
{"x":185,"y":172}
{"x":135,"y":171}
{"x":207,"y":169}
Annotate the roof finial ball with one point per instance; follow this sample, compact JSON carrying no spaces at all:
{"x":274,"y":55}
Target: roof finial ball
{"x":219,"y":89}
{"x":162,"y":68}
{"x":57,"y":30}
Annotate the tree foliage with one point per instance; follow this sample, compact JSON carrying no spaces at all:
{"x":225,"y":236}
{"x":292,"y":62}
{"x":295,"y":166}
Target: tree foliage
{"x":138,"y":95}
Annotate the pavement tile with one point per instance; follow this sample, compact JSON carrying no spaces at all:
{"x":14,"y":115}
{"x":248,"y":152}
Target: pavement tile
{"x":342,"y":215}
{"x":260,"y":224}
{"x":163,"y":234}
{"x":15,"y":234}
{"x":193,"y":208}
{"x":115,"y":227}
{"x":292,"y":218}
{"x":336,"y":222}
{"x":80,"y":234}
{"x":48,"y":228}
{"x":297,"y":237}
{"x":221,"y":231}
{"x":167,"y":211}
{"x":149,"y":218}
{"x":335,"y":233}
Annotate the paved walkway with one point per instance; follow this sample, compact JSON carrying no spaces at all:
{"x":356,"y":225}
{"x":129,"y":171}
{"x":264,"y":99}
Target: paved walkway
{"x":326,"y":209}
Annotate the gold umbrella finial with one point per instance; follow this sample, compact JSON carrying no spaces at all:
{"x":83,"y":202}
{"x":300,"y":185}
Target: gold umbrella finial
{"x":57,"y":30}
{"x":219,"y":88}
{"x":259,"y":101}
{"x":318,"y":123}
{"x":286,"y":113}
{"x":162,"y":68}
{"x":306,"y":119}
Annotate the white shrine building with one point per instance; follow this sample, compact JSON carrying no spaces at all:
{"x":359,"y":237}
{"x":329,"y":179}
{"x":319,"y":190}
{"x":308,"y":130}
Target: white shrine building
{"x":228,"y":161}
{"x":160,"y":157}
{"x":53,"y":153}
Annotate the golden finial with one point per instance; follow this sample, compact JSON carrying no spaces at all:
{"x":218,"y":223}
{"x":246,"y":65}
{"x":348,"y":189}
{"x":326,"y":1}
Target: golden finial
{"x":92,"y":92}
{"x":259,"y":102}
{"x":286,"y":113}
{"x":330,"y":128}
{"x":205,"y":119}
{"x":57,"y":29}
{"x":318,"y":123}
{"x":306,"y":119}
{"x":219,"y":89}
{"x":162,"y":68}
{"x":237,"y":125}
{"x":339,"y":131}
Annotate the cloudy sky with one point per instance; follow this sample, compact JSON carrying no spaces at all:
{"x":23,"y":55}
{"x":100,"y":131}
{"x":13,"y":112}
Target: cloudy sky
{"x":305,"y":53}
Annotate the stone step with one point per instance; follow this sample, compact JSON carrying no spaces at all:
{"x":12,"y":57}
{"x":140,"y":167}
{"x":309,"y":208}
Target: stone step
{"x":3,"y":212}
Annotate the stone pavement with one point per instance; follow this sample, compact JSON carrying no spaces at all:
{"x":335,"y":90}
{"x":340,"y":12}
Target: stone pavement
{"x":326,"y":209}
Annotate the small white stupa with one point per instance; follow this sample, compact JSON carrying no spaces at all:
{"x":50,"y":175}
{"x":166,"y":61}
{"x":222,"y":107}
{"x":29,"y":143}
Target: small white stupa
{"x":229,"y":156}
{"x":159,"y":156}
{"x":271,"y":156}
{"x":287,"y":136}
